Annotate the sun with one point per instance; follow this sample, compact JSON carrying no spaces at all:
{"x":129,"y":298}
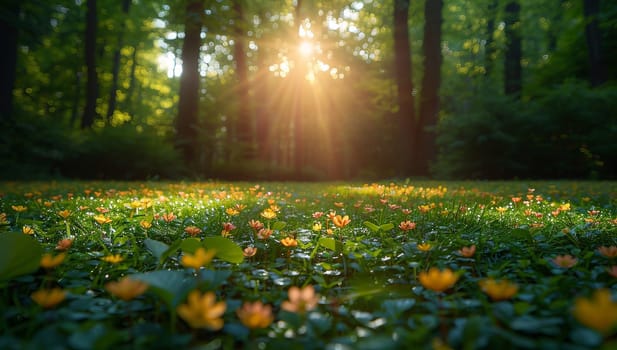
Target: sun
{"x":305,"y":49}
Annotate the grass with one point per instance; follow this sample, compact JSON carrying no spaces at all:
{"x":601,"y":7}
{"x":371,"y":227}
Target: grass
{"x":541,"y":276}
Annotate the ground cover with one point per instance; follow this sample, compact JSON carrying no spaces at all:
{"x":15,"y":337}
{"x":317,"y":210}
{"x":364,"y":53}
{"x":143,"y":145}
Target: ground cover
{"x":461,"y":265}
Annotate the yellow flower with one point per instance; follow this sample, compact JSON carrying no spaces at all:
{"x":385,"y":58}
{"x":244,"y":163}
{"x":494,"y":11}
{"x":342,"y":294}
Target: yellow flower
{"x":438,"y":280}
{"x":64,"y":213}
{"x":300,"y":300}
{"x":289,"y":242}
{"x":102,"y":219}
{"x":255,"y":315}
{"x":48,"y":298}
{"x":113,"y":259}
{"x":317,"y":226}
{"x":145,"y":224}
{"x":501,"y":210}
{"x":268,"y":214}
{"x":49,"y":261}
{"x":27,"y":230}
{"x":424,"y":247}
{"x":202,"y":311}
{"x":126,"y":288}
{"x":598,"y":313}
{"x":341,"y":221}
{"x":19,"y":208}
{"x":498,"y":289}
{"x":200,"y":258}
{"x":232,"y":211}
{"x":3,"y":219}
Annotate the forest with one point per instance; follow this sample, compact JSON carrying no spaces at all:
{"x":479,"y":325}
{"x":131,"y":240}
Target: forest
{"x":308,"y":90}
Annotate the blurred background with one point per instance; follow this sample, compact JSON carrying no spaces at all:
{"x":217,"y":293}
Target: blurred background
{"x":308,"y":89}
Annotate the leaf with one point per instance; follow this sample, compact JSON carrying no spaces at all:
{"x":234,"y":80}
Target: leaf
{"x":226,"y":249}
{"x":170,"y":286}
{"x":157,"y":248}
{"x":171,"y":250}
{"x":386,"y":227}
{"x":331,"y":244}
{"x":19,"y":255}
{"x":279,"y":225}
{"x":190,"y":245}
{"x":371,"y":226}
{"x":212,"y":279}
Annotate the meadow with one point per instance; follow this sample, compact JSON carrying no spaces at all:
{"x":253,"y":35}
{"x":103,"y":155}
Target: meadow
{"x":208,"y":265}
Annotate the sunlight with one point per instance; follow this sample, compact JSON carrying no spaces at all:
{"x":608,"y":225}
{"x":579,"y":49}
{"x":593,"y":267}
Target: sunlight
{"x":306,"y":49}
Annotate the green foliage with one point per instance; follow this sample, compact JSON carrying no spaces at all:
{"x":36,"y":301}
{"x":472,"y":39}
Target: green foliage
{"x":19,"y":255}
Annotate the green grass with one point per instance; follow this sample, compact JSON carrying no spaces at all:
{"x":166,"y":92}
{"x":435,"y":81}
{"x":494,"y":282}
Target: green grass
{"x":366,"y":274}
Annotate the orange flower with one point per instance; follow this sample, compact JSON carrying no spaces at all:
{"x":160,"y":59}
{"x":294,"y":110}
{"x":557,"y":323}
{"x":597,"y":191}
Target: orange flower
{"x":145,"y":224}
{"x":64,"y":244}
{"x":27,"y":230}
{"x":341,"y":221}
{"x":49,"y":261}
{"x":200,"y":258}
{"x":48,"y":298}
{"x":498,"y":290}
{"x":609,"y":252}
{"x":113,"y":259}
{"x":438,"y":280}
{"x":3,"y":219}
{"x":256,"y":225}
{"x":169,"y":217}
{"x":255,"y":315}
{"x":424,"y":247}
{"x":249,"y":252}
{"x":19,"y":208}
{"x":264,"y":233}
{"x":468,"y":252}
{"x":289,"y":242}
{"x":64,"y":213}
{"x":232,"y":211}
{"x":101,"y":219}
{"x":598,"y":313}
{"x":202,"y":311}
{"x":317,"y":214}
{"x":565,"y":261}
{"x":228,"y":226}
{"x":126,"y":288}
{"x":407,"y":225}
{"x":300,"y":300}
{"x":612,"y":271}
{"x":192,"y":230}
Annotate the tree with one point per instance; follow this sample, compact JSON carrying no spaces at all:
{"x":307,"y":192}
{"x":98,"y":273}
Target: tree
{"x":188,"y":104}
{"x":243,"y":116}
{"x":425,"y":148}
{"x":113,"y":92}
{"x":404,"y":85}
{"x":89,"y":113}
{"x":593,"y":36}
{"x":513,"y":70}
{"x":8,"y":60}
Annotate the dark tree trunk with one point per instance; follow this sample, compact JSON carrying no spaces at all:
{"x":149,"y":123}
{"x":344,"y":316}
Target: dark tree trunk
{"x":243,"y":118}
{"x":597,"y":69}
{"x":188,"y":104}
{"x":489,"y":48}
{"x":89,"y":114}
{"x":8,"y":59}
{"x":76,"y":98}
{"x":512,"y":69}
{"x":113,"y":92}
{"x":425,"y":148}
{"x":402,"y":61}
{"x":132,"y":81}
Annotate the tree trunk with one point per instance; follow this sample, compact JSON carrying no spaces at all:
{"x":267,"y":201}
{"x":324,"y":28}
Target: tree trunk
{"x":8,"y":60}
{"x":297,"y":76}
{"x":188,"y":104}
{"x":89,"y":114}
{"x":402,"y":63}
{"x":243,"y":118}
{"x":597,"y":69}
{"x":128,"y":105}
{"x":489,"y":48}
{"x":513,"y":70}
{"x":425,"y":149}
{"x":113,"y":92}
{"x":262,"y":122}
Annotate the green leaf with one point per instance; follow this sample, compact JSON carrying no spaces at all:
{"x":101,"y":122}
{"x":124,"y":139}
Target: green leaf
{"x":155,"y":247}
{"x":331,"y":244}
{"x":171,"y":250}
{"x":170,"y":286}
{"x":225,"y":248}
{"x":386,"y":227}
{"x":212,"y":279}
{"x":371,"y":226}
{"x":279,"y":225}
{"x":190,"y":245}
{"x":19,"y":255}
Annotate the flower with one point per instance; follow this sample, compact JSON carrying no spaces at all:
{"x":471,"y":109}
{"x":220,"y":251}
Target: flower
{"x":101,"y":219}
{"x":565,"y":261}
{"x":19,"y":208}
{"x":317,"y":214}
{"x":264,"y":233}
{"x":232,"y":211}
{"x":192,"y":230}
{"x":202,"y":311}
{"x":169,"y":217}
{"x":255,"y":315}
{"x":300,"y":300}
{"x":113,"y":259}
{"x":64,"y":244}
{"x":424,"y":247}
{"x":228,"y":226}
{"x":612,"y":271}
{"x":48,"y":298}
{"x":341,"y":221}
{"x":200,"y":258}
{"x":268,"y":214}
{"x":317,"y":227}
{"x":501,"y":210}
{"x":498,"y":290}
{"x":49,"y":261}
{"x":609,"y":252}
{"x":256,"y":225}
{"x":468,"y":252}
{"x":27,"y":230}
{"x":289,"y":242}
{"x":407,"y":225}
{"x":3,"y":219}
{"x":64,"y":213}
{"x":145,"y":224}
{"x":598,"y":312}
{"x":249,"y":252}
{"x":126,"y":288}
{"x":438,"y":280}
